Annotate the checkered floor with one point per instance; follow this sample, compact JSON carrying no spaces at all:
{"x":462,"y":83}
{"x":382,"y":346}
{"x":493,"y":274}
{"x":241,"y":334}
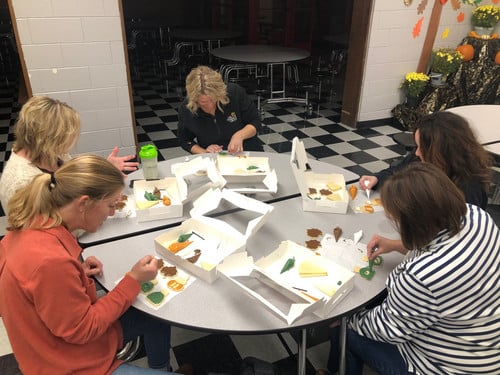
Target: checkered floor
{"x":363,"y":151}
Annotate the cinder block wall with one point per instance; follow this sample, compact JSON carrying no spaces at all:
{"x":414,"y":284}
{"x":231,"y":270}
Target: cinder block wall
{"x":74,"y":51}
{"x":393,"y":51}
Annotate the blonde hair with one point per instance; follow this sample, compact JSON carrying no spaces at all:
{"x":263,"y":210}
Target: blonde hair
{"x":203,"y":80}
{"x":46,"y":129}
{"x":37,"y":204}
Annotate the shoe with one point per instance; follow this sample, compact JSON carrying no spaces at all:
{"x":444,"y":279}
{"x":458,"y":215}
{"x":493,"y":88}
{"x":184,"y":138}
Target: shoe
{"x":322,"y":372}
{"x":185,"y":369}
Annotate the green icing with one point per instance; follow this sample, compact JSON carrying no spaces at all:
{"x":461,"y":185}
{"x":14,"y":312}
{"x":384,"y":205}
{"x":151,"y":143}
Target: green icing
{"x":147,"y":286}
{"x":378,"y":261}
{"x":366,"y":273}
{"x":156,"y":297}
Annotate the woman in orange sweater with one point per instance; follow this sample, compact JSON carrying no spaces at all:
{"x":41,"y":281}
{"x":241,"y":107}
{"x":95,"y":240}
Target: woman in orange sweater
{"x":48,"y":302}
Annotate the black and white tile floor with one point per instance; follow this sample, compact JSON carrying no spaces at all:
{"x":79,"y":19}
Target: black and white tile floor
{"x":363,"y":151}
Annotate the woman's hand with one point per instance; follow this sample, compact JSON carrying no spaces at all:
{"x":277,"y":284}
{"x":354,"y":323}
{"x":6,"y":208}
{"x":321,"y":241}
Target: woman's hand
{"x":367,"y":182}
{"x":145,"y":269}
{"x":92,"y":266}
{"x":379,"y":245}
{"x":214,"y":148}
{"x":235,"y":145}
{"x":123,"y":163}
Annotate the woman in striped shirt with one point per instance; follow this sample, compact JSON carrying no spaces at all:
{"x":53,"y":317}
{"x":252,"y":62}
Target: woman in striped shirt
{"x":442,"y":311}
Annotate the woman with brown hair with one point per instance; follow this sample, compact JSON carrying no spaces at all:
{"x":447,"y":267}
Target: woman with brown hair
{"x":440,"y":315}
{"x":446,"y":140}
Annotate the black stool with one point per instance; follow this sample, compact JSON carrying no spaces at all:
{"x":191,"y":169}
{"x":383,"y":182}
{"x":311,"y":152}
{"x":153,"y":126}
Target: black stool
{"x":405,"y":139}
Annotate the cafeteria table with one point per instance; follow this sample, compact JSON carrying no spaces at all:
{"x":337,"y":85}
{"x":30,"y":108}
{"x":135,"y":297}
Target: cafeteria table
{"x":199,"y":307}
{"x":119,"y":227}
{"x":483,"y":119}
{"x":273,"y":56}
{"x":210,"y":36}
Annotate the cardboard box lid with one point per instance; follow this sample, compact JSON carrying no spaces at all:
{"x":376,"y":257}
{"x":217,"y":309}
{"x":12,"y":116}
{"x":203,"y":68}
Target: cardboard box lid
{"x":299,"y":164}
{"x":288,"y":294}
{"x":212,"y":198}
{"x":200,"y":164}
{"x":247,"y":174}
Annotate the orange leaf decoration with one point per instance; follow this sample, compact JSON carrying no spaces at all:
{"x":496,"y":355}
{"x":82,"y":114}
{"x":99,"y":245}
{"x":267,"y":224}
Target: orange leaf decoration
{"x":455,"y":4}
{"x":461,"y":17}
{"x":495,"y":1}
{"x":443,"y":1}
{"x":418,"y":27}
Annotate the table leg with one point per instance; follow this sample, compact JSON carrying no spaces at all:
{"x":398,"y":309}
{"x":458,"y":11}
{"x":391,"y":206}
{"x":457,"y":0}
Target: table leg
{"x":342,"y":339}
{"x":302,"y":352}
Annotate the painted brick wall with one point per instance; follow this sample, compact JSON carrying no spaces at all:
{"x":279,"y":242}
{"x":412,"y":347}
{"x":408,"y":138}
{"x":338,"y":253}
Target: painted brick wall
{"x":74,"y":51}
{"x":393,"y":51}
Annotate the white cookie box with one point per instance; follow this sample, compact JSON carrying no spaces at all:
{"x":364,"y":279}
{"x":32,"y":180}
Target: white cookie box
{"x":307,"y":179}
{"x":287,"y":294}
{"x":168,"y":187}
{"x":215,"y":238}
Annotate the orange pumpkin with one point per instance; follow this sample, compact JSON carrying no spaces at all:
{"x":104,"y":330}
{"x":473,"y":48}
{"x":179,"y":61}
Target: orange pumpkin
{"x":497,"y":58}
{"x":467,"y":52}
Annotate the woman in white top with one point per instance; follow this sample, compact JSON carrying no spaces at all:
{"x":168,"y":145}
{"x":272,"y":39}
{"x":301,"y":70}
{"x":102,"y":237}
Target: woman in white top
{"x":45,"y":132}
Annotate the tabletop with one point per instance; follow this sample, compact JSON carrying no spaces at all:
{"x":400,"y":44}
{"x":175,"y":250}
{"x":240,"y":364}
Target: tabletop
{"x":222,"y":306}
{"x":260,"y":54}
{"x":483,"y":119}
{"x":119,"y":227}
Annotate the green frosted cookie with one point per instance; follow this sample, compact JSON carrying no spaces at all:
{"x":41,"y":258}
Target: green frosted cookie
{"x":147,"y":286}
{"x":377,"y":261}
{"x":366,"y":273}
{"x":156,"y":297}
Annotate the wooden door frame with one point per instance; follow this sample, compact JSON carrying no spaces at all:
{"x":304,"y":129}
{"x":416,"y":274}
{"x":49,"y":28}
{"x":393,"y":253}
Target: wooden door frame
{"x":356,"y":61}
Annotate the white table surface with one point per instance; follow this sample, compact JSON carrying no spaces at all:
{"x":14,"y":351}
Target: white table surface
{"x":260,"y":54}
{"x":114,"y":228}
{"x":222,"y":306}
{"x":494,"y":148}
{"x":484,"y":120}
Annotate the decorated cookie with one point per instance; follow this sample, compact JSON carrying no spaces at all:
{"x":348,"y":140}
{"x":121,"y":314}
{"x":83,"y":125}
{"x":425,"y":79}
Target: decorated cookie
{"x":366,"y":273}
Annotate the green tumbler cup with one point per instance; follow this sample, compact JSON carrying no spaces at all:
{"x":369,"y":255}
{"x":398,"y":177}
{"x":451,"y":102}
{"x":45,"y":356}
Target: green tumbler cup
{"x":149,"y":161}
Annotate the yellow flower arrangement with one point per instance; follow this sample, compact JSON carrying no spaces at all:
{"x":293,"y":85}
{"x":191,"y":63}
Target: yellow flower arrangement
{"x":486,"y":16}
{"x":445,"y":61}
{"x":414,"y":83}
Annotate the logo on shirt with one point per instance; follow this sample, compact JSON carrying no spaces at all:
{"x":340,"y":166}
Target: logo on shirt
{"x":232,"y":117}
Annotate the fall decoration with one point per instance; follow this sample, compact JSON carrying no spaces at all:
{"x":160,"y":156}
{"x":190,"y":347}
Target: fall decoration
{"x":467,"y":51}
{"x":445,"y":61}
{"x":414,"y":83}
{"x":485,"y":16}
{"x":497,"y":58}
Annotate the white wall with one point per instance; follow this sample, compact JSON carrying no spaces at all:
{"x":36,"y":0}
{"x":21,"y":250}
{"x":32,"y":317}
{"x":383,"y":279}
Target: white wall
{"x":74,"y":52}
{"x":393,"y":51}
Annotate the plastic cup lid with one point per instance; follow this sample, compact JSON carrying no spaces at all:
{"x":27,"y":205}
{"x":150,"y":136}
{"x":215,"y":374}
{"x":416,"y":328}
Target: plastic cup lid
{"x":148,"y":152}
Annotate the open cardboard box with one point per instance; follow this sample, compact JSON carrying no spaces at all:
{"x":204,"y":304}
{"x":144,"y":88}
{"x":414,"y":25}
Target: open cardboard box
{"x":289,"y":295}
{"x":247,"y":174}
{"x":311,"y":185}
{"x":168,"y":188}
{"x":215,"y":238}
{"x":196,"y":176}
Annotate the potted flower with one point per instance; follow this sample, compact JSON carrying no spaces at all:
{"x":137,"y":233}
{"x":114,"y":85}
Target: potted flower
{"x":484,"y":18}
{"x":414,"y":84}
{"x":444,"y":61}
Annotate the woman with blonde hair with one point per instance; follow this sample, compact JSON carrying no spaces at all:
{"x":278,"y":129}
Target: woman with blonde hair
{"x":219,"y":116}
{"x":46,"y":130}
{"x":48,"y":301}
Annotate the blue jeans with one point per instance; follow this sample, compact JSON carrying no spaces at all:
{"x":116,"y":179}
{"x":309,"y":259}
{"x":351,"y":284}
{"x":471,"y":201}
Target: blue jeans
{"x":156,"y":334}
{"x":381,"y":357}
{"x":128,"y":369}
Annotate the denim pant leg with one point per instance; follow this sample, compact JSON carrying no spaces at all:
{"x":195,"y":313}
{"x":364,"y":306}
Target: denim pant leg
{"x":334,"y":355}
{"x":156,"y":333}
{"x":381,"y":357}
{"x":128,"y":369}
